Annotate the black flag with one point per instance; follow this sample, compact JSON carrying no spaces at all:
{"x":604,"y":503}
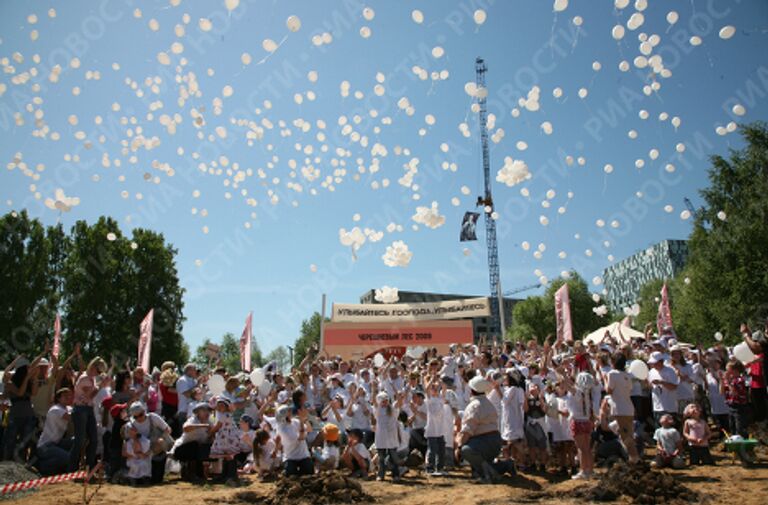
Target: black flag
{"x":468,"y":225}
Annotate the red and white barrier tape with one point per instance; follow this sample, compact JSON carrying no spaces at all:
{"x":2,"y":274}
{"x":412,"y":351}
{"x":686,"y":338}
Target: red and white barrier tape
{"x":29,"y":484}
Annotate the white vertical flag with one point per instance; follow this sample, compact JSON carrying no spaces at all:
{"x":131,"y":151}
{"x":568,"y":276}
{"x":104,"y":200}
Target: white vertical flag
{"x":145,"y":340}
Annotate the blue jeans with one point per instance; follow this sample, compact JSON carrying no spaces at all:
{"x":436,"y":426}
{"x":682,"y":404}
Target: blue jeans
{"x":53,"y":459}
{"x":387,"y":458}
{"x":435,"y":453}
{"x":737,"y":419}
{"x":85,"y":437}
{"x":481,"y":449}
{"x":22,"y":428}
{"x":299,"y":467}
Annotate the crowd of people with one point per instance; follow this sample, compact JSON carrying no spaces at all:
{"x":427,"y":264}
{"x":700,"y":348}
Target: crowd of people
{"x":497,"y":408}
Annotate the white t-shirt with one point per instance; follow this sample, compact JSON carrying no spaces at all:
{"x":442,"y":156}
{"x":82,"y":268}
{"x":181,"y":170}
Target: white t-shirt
{"x":716,"y":398}
{"x":151,"y":419}
{"x":434,"y":426}
{"x":293,"y":448}
{"x":579,"y":406}
{"x":184,"y":384}
{"x":55,"y":425}
{"x":386,"y":428}
{"x":560,"y":425}
{"x":142,"y":466}
{"x":362,"y":451}
{"x":620,"y":384}
{"x":512,"y":414}
{"x":359,"y":419}
{"x":449,"y":424}
{"x":685,"y":388}
{"x":663,"y":399}
{"x":668,"y":438}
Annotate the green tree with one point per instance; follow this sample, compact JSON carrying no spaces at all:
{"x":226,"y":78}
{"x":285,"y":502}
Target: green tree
{"x":649,"y":303}
{"x":728,"y":262}
{"x":310,"y":336}
{"x":534,"y":317}
{"x":30,"y":295}
{"x":228,"y":355}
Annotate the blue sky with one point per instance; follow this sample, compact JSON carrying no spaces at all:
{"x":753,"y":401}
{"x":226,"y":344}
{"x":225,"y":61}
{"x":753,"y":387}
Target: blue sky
{"x":231,"y":269}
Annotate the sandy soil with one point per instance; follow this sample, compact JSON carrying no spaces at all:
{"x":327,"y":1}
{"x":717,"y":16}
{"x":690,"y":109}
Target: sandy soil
{"x":726,"y":482}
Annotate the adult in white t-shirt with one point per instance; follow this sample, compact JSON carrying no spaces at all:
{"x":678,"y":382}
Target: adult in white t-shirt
{"x":53,"y":447}
{"x":184,"y":387}
{"x":663,"y":380}
{"x":618,"y":385}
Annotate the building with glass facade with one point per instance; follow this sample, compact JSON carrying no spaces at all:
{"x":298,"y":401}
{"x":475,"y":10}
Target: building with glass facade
{"x":624,"y":279}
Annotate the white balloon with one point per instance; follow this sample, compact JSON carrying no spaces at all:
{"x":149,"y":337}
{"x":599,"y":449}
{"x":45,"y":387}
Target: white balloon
{"x":560,"y":5}
{"x":618,"y":32}
{"x":269,"y":45}
{"x":231,"y":4}
{"x":621,"y":4}
{"x":480,"y":16}
{"x":417,"y":16}
{"x":672,"y":17}
{"x":216,"y":384}
{"x":695,"y":40}
{"x":739,"y":109}
{"x":265,"y":388}
{"x":379,"y":360}
{"x":743,"y":353}
{"x":727,"y":32}
{"x":257,"y":377}
{"x":293,"y":23}
{"x":639,"y":369}
{"x":718,"y":336}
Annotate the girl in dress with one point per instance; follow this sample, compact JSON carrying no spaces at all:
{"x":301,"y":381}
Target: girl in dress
{"x":226,"y":443}
{"x":138,"y":457}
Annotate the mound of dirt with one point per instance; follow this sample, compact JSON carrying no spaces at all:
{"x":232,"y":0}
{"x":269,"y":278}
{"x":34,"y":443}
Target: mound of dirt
{"x":318,"y":489}
{"x":640,"y":483}
{"x":11,"y":472}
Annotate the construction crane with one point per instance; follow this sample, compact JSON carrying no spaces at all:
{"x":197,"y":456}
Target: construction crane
{"x":521,"y":289}
{"x":695,"y":213}
{"x":486,"y":202}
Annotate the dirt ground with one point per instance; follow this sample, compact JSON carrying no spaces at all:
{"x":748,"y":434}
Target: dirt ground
{"x":726,"y":482}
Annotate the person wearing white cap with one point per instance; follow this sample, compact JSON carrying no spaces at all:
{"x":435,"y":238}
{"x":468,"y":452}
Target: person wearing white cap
{"x":293,"y":437}
{"x":479,"y":438}
{"x":663,"y":381}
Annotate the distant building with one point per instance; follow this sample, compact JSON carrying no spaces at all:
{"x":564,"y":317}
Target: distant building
{"x":660,"y":261}
{"x":480,"y":324}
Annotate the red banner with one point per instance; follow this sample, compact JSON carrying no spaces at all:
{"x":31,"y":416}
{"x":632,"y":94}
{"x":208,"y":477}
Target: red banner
{"x":664,"y":317}
{"x":57,"y":336}
{"x":358,"y":340}
{"x":245,"y":344}
{"x":145,"y":340}
{"x":563,"y":314}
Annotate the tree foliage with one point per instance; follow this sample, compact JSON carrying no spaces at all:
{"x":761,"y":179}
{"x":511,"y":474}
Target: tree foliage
{"x":534,"y":317}
{"x":728,"y":262}
{"x":228,"y":355}
{"x":309,"y":337}
{"x":280,"y":356}
{"x":102,"y":288}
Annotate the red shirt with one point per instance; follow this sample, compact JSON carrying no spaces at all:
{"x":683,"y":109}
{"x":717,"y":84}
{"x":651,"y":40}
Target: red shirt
{"x":736,"y":391}
{"x":169,"y":397}
{"x":756,"y":372}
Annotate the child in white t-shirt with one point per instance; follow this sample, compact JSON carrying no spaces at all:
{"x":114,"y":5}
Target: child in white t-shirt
{"x":138,"y":457}
{"x":265,"y":458}
{"x":356,"y":456}
{"x":433,"y":431}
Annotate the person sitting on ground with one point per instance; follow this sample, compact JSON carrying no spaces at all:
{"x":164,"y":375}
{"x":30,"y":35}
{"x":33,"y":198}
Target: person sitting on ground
{"x":138,"y":456}
{"x":669,"y":445}
{"x":356,"y":456}
{"x":265,"y":458}
{"x":328,"y":457}
{"x":53,"y":446}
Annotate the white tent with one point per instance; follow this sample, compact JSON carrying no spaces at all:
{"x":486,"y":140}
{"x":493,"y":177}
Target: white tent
{"x":620,"y":333}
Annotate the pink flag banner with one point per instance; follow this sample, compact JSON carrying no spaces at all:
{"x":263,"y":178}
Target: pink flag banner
{"x":563,"y":315}
{"x":245,"y":344}
{"x":664,"y":317}
{"x":57,"y":336}
{"x":145,"y":340}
